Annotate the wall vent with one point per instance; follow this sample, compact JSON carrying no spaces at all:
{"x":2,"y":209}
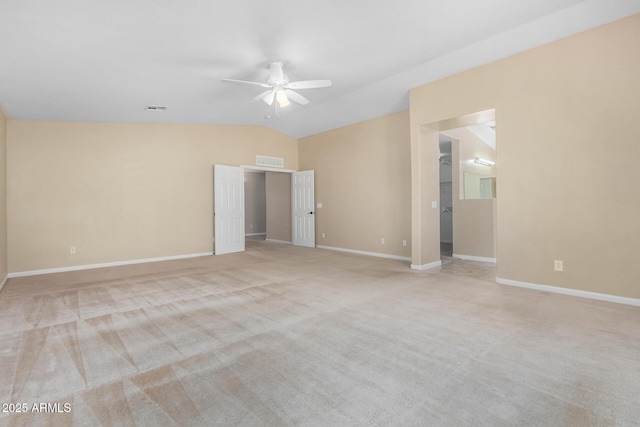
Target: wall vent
{"x":272,"y":162}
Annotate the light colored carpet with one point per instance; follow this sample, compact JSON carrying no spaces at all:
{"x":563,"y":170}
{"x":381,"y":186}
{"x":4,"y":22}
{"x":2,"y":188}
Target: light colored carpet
{"x":296,"y":336}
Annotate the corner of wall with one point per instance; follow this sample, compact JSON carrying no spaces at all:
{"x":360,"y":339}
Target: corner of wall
{"x":3,"y":198}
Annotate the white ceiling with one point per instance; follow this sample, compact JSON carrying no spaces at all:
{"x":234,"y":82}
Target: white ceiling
{"x":106,"y":60}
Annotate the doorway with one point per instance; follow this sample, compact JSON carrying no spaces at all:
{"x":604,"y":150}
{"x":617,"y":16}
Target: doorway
{"x":288,"y":207}
{"x":473,"y":205}
{"x":267,"y":200}
{"x":255,"y":205}
{"x":278,"y":207}
{"x":446,"y":197}
{"x":268,"y":206}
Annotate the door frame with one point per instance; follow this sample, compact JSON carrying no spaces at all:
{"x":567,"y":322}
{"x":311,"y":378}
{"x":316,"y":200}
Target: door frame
{"x":266,"y":169}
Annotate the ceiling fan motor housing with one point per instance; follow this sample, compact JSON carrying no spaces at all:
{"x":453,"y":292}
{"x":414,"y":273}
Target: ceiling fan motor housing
{"x":277,"y":77}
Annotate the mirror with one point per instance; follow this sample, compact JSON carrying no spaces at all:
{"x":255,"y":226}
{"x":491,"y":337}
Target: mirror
{"x":478,"y":186}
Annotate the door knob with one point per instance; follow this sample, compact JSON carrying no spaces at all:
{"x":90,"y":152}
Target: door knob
{"x":310,"y":213}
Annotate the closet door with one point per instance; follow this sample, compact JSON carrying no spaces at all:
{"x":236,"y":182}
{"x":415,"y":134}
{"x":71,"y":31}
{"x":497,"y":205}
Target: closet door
{"x":303,"y":209}
{"x":228,"y":184}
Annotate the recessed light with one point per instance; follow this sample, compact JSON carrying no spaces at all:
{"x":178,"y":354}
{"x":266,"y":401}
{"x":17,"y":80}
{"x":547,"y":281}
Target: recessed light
{"x":156,"y":107}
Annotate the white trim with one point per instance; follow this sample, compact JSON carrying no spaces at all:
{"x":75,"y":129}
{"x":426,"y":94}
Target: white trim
{"x":265,"y":169}
{"x":474,"y":258}
{"x":102,"y":265}
{"x":426,"y":266}
{"x":252,"y":170}
{"x":376,"y":254}
{"x":4,"y":282}
{"x":255,"y":234}
{"x":278,"y":241}
{"x":571,"y":292}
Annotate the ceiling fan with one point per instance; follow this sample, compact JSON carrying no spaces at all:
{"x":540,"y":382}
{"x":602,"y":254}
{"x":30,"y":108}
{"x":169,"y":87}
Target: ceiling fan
{"x":279,"y":88}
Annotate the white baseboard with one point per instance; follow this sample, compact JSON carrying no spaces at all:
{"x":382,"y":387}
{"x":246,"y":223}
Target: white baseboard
{"x":474,"y":258}
{"x":426,"y":266}
{"x":376,"y":254}
{"x":277,"y":241}
{"x":102,"y":265}
{"x":571,"y":292}
{"x":3,"y":282}
{"x":254,"y":234}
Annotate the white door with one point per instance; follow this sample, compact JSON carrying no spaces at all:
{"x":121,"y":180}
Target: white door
{"x":303,"y":209}
{"x":228,"y":209}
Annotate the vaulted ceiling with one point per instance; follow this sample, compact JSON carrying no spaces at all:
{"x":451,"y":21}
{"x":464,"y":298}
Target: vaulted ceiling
{"x":106,"y":60}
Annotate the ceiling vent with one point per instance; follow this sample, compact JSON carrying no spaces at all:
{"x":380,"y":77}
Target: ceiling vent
{"x":273,"y":162}
{"x":156,"y":107}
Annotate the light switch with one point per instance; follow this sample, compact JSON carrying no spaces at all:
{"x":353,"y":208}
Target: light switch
{"x":318,"y":205}
{"x":434,"y":204}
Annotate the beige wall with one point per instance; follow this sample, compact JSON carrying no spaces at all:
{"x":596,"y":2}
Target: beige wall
{"x":473,"y":219}
{"x":3,"y":197}
{"x":363,"y":180}
{"x":278,"y":187}
{"x":120,"y":191}
{"x":567,"y":135}
{"x":255,"y":207}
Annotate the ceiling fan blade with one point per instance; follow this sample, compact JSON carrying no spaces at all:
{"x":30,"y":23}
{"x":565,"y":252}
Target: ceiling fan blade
{"x":261,"y":96}
{"x":308,"y":84}
{"x":269,"y":97}
{"x":275,"y":72}
{"x":296,"y":97}
{"x":244,"y":82}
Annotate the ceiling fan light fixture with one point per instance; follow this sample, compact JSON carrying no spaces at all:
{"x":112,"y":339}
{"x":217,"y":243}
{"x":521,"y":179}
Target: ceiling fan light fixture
{"x":280,"y":89}
{"x":282,"y":99}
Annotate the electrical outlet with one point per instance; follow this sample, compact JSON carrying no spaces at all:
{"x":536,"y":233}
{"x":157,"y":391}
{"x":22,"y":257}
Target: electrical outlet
{"x":558,"y":265}
{"x":323,"y":235}
{"x":382,"y":241}
{"x":72,"y":250}
{"x":404,"y":243}
{"x":250,"y":225}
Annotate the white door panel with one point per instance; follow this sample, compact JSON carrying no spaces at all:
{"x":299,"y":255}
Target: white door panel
{"x":228,"y":209}
{"x":303,"y":206}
